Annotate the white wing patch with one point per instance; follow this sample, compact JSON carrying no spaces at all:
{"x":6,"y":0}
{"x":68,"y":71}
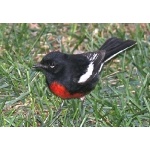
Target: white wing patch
{"x":88,"y":73}
{"x":93,"y":57}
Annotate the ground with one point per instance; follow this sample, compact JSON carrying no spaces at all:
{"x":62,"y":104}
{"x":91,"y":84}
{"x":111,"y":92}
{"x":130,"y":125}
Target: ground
{"x":121,"y":98}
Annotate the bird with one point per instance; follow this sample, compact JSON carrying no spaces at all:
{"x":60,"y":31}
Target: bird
{"x":71,"y":76}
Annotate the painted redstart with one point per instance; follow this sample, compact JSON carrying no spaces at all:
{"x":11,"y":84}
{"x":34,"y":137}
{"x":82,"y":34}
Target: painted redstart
{"x":75,"y":75}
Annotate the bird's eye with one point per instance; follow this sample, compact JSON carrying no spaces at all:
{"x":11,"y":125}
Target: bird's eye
{"x":52,"y":65}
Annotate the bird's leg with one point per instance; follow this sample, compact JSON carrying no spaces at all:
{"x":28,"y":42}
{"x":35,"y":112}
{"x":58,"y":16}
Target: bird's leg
{"x":60,"y":109}
{"x":82,"y":99}
{"x":57,"y":113}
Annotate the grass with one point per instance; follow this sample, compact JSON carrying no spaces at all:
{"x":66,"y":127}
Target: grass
{"x":121,"y":98}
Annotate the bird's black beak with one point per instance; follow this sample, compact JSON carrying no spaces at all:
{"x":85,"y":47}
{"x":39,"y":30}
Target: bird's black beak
{"x":39,"y":66}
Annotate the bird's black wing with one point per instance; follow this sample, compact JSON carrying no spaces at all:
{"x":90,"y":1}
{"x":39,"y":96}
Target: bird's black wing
{"x":90,"y":64}
{"x":95,"y":63}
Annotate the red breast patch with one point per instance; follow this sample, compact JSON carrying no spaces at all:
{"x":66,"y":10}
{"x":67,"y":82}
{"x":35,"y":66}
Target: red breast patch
{"x":60,"y":91}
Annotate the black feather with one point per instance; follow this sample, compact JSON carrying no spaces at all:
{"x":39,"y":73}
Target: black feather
{"x":115,"y":45}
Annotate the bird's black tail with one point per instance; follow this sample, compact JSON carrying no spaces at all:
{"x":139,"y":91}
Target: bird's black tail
{"x":114,"y":46}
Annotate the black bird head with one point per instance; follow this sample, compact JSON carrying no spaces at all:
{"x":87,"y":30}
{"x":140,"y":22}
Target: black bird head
{"x":52,"y":63}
